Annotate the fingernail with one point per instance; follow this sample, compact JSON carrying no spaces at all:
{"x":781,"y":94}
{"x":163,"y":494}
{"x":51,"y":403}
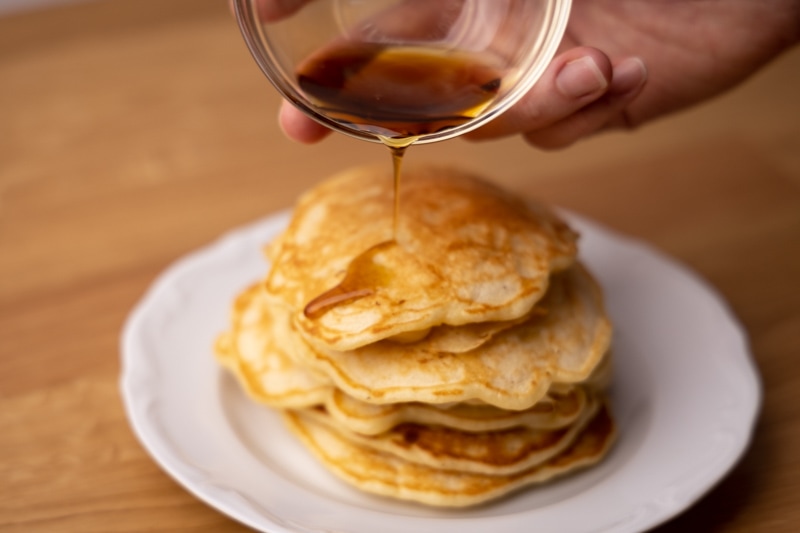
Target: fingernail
{"x":628,"y":75}
{"x":580,"y":77}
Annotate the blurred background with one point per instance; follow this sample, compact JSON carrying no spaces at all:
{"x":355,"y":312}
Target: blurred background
{"x":11,"y":6}
{"x":135,"y":131}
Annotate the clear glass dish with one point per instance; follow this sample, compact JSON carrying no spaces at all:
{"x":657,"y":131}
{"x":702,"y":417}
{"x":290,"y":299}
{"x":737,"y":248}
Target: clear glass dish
{"x":426,"y":70}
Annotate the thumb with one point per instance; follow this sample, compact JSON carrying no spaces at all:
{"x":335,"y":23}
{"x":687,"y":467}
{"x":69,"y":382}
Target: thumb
{"x":574,"y":79}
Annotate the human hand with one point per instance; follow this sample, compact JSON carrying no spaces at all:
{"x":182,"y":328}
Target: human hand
{"x":623,"y":63}
{"x":693,"y":50}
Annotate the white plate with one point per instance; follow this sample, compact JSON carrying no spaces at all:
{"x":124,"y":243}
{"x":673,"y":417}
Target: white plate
{"x":685,"y":394}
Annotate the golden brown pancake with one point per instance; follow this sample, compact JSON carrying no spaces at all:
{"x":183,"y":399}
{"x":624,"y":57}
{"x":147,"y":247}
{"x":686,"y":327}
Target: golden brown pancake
{"x":386,"y":474}
{"x":499,"y":452}
{"x":465,"y":338}
{"x":449,"y":360}
{"x":513,"y":370}
{"x":556,"y":410}
{"x":466,"y":252}
{"x":254,"y":351}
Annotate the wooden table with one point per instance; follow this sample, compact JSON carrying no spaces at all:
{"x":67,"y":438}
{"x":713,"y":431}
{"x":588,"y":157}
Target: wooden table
{"x":132,"y":132}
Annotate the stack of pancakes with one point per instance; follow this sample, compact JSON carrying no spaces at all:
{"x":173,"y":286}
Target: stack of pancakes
{"x":448,"y":357}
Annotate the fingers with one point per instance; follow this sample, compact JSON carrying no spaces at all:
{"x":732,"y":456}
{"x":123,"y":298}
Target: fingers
{"x":605,"y":113}
{"x":580,"y":93}
{"x":573,"y":80}
{"x":299,"y":127}
{"x":295,"y":125}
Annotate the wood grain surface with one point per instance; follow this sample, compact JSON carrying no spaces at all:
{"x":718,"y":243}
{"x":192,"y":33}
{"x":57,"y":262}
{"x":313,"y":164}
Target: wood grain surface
{"x":132,"y":132}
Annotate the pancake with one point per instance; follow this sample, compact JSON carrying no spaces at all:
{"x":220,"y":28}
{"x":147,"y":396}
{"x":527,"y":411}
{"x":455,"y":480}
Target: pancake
{"x":513,"y":370}
{"x":460,"y":339}
{"x":449,"y":360}
{"x":386,"y":474}
{"x":465,"y":252}
{"x":499,"y":452}
{"x":556,"y":410}
{"x":255,"y":353}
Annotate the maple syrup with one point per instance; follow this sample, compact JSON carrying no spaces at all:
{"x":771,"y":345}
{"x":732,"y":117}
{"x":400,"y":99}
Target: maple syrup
{"x":397,"y":166}
{"x":364,"y":275}
{"x":398,"y":91}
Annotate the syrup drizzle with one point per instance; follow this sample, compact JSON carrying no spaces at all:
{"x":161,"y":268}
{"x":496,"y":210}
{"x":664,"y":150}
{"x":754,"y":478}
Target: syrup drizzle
{"x":397,"y":147}
{"x":364,"y":274}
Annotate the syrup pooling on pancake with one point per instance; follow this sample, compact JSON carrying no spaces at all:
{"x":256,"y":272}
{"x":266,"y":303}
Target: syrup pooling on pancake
{"x":465,"y":252}
{"x":372,"y":271}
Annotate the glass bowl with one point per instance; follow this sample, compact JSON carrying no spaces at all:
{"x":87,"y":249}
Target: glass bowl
{"x":414,"y":70}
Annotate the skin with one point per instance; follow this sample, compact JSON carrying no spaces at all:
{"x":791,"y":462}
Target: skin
{"x":635,"y":60}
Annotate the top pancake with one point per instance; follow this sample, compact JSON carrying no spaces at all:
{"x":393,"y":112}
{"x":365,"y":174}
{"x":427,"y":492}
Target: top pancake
{"x":466,"y":251}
